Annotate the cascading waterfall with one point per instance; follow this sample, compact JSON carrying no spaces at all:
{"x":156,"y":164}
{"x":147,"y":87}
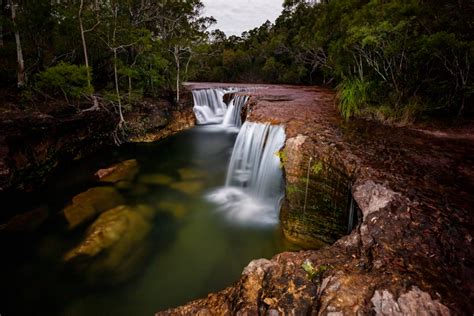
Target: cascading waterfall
{"x":209,"y":106}
{"x":254,"y":185}
{"x":232,"y":115}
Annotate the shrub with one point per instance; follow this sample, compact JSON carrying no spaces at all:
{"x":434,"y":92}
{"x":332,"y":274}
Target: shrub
{"x":353,"y":95}
{"x":66,"y":79}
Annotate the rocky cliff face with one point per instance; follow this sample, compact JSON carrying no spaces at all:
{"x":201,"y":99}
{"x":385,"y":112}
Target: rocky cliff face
{"x":33,"y":144}
{"x":411,"y":252}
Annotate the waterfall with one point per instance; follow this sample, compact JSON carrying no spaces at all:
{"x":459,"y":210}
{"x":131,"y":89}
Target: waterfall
{"x":232,"y":115}
{"x":254,"y":185}
{"x":210,"y":108}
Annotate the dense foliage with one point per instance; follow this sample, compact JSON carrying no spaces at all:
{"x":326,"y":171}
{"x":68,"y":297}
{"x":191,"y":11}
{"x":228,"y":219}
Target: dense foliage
{"x":401,"y":59}
{"x":117,"y":48}
{"x":389,"y":58}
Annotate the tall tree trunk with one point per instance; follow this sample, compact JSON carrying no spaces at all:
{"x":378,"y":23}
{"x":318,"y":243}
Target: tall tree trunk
{"x":178,"y":70}
{"x":117,"y":91}
{"x":21,"y":78}
{"x":1,"y":25}
{"x":84,"y":44}
{"x":86,"y":57}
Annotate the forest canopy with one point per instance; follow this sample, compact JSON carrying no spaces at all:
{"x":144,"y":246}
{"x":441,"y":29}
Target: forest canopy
{"x":388,"y":59}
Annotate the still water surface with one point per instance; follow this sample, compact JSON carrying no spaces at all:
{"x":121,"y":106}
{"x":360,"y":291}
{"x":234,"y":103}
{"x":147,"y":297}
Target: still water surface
{"x":191,"y":250}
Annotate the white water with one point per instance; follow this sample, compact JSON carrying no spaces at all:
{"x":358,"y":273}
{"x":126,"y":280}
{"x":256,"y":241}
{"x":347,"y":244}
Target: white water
{"x":232,"y":115}
{"x":210,"y":108}
{"x":254,"y":184}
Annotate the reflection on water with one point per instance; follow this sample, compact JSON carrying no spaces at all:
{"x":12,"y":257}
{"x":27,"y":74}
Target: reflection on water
{"x":168,"y":246}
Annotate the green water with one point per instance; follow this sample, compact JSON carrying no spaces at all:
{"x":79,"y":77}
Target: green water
{"x":191,"y":250}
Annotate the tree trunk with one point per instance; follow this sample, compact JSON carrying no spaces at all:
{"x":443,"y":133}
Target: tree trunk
{"x":84,"y":44}
{"x":1,"y":25}
{"x":117,"y":91}
{"x":95,"y":102}
{"x":19,"y":52}
{"x":178,"y":70}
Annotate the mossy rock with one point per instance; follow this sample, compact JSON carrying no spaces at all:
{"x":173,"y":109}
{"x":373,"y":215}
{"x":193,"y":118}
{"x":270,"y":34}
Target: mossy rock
{"x":87,"y":205}
{"x":156,"y":179}
{"x":178,"y":210}
{"x":188,"y":187}
{"x":123,"y":171}
{"x":113,"y":246}
{"x":190,"y":174}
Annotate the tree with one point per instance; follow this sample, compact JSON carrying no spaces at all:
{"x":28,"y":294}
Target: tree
{"x":21,"y":77}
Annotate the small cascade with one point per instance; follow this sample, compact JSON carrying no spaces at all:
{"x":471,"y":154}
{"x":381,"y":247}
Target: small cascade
{"x":209,"y":106}
{"x":232,"y":115}
{"x":254,"y":185}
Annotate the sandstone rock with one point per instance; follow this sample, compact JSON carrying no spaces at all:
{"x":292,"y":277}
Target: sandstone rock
{"x":190,"y":174}
{"x":415,"y":302}
{"x":113,"y":244}
{"x":178,"y":210}
{"x":85,"y":206}
{"x":26,"y":222}
{"x":123,"y":171}
{"x":293,"y":158}
{"x":156,"y":179}
{"x":372,"y":197}
{"x":188,"y":187}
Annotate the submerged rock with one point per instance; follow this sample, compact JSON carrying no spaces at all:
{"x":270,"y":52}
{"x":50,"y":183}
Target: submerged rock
{"x":178,"y":210}
{"x":123,"y":171}
{"x":113,"y":245}
{"x":156,"y":179}
{"x":188,"y":187}
{"x":190,"y":174}
{"x":26,"y":222}
{"x":86,"y":205}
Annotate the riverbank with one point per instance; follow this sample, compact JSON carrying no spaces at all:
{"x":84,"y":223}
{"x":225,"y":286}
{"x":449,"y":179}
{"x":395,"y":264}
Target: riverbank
{"x":411,"y":251}
{"x":40,"y":139}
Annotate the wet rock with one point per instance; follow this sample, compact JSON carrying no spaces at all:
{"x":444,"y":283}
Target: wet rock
{"x":156,"y":179}
{"x":188,"y":187}
{"x":26,"y":222}
{"x":177,"y":121}
{"x":123,"y":171}
{"x":32,"y":144}
{"x":178,"y":210}
{"x":190,"y":174}
{"x":87,"y":205}
{"x":113,"y":245}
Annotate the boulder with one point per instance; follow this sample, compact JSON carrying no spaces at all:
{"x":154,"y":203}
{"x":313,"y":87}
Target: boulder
{"x":114,"y":244}
{"x":123,"y":171}
{"x":87,"y":205}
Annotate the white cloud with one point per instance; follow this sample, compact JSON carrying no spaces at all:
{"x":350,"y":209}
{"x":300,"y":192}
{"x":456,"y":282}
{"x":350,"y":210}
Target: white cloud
{"x":236,"y":16}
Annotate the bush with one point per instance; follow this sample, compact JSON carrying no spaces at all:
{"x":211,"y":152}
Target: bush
{"x":66,"y":79}
{"x":353,"y":95}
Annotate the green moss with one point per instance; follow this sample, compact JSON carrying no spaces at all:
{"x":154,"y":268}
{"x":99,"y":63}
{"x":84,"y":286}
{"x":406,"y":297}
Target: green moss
{"x":313,"y":274}
{"x":283,"y":157}
{"x":317,"y":167}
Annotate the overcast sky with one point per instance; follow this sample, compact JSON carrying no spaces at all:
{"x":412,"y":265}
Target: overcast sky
{"x":236,"y":16}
